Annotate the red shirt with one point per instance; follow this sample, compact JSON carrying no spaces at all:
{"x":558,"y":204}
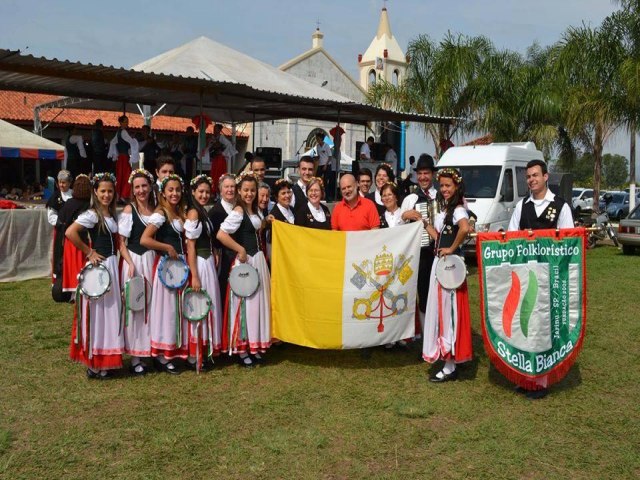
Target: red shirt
{"x":364,"y":216}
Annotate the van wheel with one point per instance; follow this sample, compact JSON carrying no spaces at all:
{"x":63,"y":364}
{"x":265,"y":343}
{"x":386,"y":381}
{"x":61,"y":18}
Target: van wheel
{"x":628,"y":249}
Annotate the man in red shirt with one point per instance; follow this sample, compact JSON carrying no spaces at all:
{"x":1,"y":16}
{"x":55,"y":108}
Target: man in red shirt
{"x":353,"y":212}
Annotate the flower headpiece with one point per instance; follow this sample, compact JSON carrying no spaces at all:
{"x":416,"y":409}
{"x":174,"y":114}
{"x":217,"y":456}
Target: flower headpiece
{"x":227,"y":174}
{"x":103,"y":177}
{"x":317,"y":180}
{"x":385,"y":164}
{"x":171,"y":176}
{"x":450,"y":172}
{"x":140,"y":172}
{"x":281,"y":180}
{"x":202,"y":176}
{"x":246,"y":174}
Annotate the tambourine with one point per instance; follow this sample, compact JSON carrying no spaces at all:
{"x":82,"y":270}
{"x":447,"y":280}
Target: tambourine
{"x":173,"y":273}
{"x":135,"y":293}
{"x":451,"y":271}
{"x":195,"y":305}
{"x":94,"y":280}
{"x":244,"y":280}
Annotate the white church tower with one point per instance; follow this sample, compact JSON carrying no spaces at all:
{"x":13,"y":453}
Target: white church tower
{"x":384,"y":58}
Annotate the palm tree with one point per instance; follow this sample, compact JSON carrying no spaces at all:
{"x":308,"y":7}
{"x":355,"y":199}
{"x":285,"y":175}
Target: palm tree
{"x":587,"y":63}
{"x":626,"y":23}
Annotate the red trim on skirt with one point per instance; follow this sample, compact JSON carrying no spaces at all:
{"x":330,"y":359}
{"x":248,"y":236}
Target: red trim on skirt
{"x":78,"y":354}
{"x":73,"y":261}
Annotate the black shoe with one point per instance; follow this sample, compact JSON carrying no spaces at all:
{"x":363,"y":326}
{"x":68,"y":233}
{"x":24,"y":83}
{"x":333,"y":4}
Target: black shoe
{"x":91,"y":375}
{"x":537,"y":394}
{"x":207,"y":364}
{"x":138,"y":370}
{"x":445,"y":378}
{"x":168,"y":367}
{"x":246,"y":362}
{"x":258,"y":361}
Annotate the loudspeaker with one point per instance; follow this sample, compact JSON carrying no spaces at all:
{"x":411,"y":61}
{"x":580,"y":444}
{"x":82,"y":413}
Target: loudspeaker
{"x":272,"y":157}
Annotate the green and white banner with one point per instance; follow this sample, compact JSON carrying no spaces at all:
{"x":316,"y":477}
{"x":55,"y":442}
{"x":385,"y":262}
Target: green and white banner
{"x":533,"y":302}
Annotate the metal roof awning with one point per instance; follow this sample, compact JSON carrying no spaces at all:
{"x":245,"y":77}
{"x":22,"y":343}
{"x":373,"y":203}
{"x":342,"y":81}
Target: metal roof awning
{"x":120,"y":89}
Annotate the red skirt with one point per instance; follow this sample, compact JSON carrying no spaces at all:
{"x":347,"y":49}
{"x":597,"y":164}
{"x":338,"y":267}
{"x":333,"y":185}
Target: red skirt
{"x":123,"y":170}
{"x":73,"y":261}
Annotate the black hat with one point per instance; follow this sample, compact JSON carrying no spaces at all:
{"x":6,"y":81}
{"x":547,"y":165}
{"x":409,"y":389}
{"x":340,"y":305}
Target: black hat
{"x":425,"y":162}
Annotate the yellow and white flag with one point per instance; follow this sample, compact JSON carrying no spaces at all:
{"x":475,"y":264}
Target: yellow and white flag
{"x":336,"y":290}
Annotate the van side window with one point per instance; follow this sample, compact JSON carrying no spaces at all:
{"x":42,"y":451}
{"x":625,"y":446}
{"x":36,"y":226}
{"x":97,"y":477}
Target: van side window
{"x":506,"y":191}
{"x":521,"y":181}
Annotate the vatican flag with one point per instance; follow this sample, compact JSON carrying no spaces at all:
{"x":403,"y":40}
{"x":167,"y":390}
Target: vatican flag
{"x":335,"y":290}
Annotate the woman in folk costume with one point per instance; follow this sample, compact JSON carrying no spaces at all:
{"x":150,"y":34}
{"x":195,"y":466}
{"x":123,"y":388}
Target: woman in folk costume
{"x":247,"y":321}
{"x":72,"y":258}
{"x":132,"y":223}
{"x":200,"y":233}
{"x":54,"y":204}
{"x":124,"y":150}
{"x":217,"y":214}
{"x":97,"y":340}
{"x":447,"y":330}
{"x":314,"y":214}
{"x":165,"y":235}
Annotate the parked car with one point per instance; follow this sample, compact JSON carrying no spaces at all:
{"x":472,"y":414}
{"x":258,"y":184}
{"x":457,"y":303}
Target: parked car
{"x":582,"y":200}
{"x":629,"y":231}
{"x":616,"y":204}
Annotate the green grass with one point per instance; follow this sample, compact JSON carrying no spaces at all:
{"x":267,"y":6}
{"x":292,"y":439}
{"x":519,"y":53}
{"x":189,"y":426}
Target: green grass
{"x":321,"y":414}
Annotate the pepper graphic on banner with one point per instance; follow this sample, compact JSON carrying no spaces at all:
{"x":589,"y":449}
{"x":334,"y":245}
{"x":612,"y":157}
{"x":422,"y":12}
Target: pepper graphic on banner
{"x":533,"y":301}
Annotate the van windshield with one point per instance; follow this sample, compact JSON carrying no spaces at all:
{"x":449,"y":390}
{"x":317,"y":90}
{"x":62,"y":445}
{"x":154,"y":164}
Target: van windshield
{"x":480,"y":181}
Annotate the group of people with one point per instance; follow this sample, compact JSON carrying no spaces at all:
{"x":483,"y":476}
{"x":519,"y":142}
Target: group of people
{"x":122,"y":152}
{"x":166,"y":218}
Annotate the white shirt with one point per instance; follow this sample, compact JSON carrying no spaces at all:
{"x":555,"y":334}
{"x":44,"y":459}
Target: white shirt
{"x":458,"y":214}
{"x":318,"y":213}
{"x":89,"y":219}
{"x":158,"y":219}
{"x":409,"y":203}
{"x":229,"y":151}
{"x":228,"y":207}
{"x":366,"y":151}
{"x":394,"y":218}
{"x":52,"y":215}
{"x":134,"y":148}
{"x":79,"y":142}
{"x":288,"y":214}
{"x":565,"y":219}
{"x":125,"y":223}
{"x":232,"y":223}
{"x":324,"y":152}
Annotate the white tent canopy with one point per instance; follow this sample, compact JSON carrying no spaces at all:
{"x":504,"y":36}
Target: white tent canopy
{"x":26,"y":144}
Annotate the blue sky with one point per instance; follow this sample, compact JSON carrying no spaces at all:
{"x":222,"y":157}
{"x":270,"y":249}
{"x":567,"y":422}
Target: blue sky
{"x":125,"y":33}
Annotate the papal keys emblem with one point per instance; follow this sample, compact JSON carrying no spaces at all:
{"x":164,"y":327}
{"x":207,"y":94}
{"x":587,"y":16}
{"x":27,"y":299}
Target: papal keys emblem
{"x":378,"y":280}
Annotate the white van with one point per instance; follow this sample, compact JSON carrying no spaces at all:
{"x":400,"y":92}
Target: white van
{"x":494,"y":178}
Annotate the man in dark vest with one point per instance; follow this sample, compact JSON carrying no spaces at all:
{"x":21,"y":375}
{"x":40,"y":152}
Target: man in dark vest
{"x":99,"y":148}
{"x":541,"y":209}
{"x":75,"y":154}
{"x":425,"y":193}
